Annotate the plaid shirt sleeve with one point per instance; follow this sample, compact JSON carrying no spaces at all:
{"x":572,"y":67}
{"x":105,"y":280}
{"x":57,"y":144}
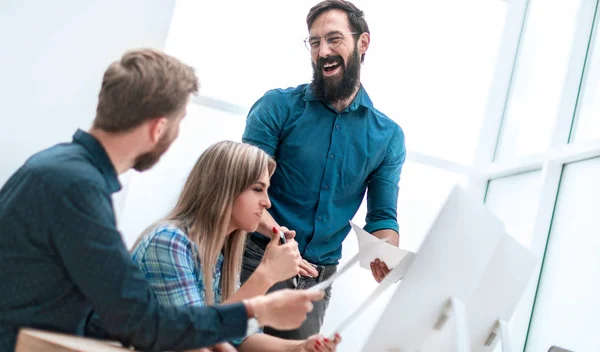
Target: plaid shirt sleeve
{"x":169,"y":263}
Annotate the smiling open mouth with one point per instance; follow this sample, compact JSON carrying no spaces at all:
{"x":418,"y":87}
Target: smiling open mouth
{"x":330,"y":67}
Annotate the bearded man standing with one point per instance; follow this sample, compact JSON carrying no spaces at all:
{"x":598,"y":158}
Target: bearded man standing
{"x":331,"y":146}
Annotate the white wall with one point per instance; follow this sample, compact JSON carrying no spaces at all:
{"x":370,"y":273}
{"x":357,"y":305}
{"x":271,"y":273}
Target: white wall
{"x":151,"y":194}
{"x":52,"y":58}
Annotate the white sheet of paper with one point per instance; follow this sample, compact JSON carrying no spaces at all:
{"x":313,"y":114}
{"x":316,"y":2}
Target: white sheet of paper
{"x":371,"y":248}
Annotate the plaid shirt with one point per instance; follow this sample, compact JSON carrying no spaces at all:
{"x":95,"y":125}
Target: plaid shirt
{"x":168,"y":258}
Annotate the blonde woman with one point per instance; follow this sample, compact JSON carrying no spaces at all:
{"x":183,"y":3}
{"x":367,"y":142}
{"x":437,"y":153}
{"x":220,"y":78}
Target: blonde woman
{"x":194,"y":255}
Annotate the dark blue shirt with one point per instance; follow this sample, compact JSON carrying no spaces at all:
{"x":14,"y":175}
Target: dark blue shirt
{"x":62,"y":255}
{"x":326,"y":160}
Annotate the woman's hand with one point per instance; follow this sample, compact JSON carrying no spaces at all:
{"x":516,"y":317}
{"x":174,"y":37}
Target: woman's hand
{"x":319,"y":343}
{"x":280,"y":261}
{"x":305,"y":268}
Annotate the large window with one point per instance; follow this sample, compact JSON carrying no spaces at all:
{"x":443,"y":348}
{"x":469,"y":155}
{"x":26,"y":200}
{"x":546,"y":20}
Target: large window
{"x":539,"y":78}
{"x":587,"y":124}
{"x":570,"y":281}
{"x":542,"y":179}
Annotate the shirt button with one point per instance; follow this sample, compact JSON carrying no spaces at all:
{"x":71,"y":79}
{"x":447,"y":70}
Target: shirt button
{"x":325,"y":187}
{"x":338,"y":116}
{"x":330,"y":156}
{"x":337,"y":127}
{"x":319,"y":218}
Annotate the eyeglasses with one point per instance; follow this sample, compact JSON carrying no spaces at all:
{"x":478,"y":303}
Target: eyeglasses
{"x":334,"y":40}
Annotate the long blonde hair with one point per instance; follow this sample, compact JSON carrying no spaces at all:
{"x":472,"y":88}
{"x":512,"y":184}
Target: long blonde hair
{"x":221,"y":174}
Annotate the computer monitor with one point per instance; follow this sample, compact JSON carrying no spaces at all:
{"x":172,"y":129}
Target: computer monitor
{"x":466,"y":256}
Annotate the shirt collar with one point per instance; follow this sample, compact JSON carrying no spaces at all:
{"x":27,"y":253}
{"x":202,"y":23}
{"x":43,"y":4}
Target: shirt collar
{"x":99,"y":158}
{"x":361,"y":98}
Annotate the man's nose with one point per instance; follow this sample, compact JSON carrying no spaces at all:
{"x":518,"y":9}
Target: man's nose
{"x":324,"y":49}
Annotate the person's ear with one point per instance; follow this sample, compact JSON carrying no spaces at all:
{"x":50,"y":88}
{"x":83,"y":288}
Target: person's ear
{"x":363,"y":43}
{"x":157,"y":127}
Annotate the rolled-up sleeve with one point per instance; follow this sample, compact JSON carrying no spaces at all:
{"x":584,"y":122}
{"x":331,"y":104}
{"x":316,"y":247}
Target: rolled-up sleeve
{"x":382,"y":187}
{"x":263,"y":124}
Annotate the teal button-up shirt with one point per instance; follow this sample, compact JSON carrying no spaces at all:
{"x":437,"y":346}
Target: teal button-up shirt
{"x":326,"y":161}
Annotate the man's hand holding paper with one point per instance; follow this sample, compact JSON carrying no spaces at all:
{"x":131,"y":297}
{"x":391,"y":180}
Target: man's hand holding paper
{"x":379,"y":269}
{"x":379,"y":251}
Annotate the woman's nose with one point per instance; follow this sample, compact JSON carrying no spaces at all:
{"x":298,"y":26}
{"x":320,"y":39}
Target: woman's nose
{"x":266,"y":203}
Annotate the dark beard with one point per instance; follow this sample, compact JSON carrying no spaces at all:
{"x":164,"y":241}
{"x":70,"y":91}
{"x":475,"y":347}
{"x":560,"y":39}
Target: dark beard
{"x":147,"y":160}
{"x":333,"y":89}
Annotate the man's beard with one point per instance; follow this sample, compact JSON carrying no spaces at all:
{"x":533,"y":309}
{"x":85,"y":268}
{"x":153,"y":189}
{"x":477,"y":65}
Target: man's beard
{"x":333,"y":89}
{"x":147,"y":160}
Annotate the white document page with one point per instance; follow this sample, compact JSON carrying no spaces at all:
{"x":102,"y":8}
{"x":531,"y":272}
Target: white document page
{"x":371,"y":248}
